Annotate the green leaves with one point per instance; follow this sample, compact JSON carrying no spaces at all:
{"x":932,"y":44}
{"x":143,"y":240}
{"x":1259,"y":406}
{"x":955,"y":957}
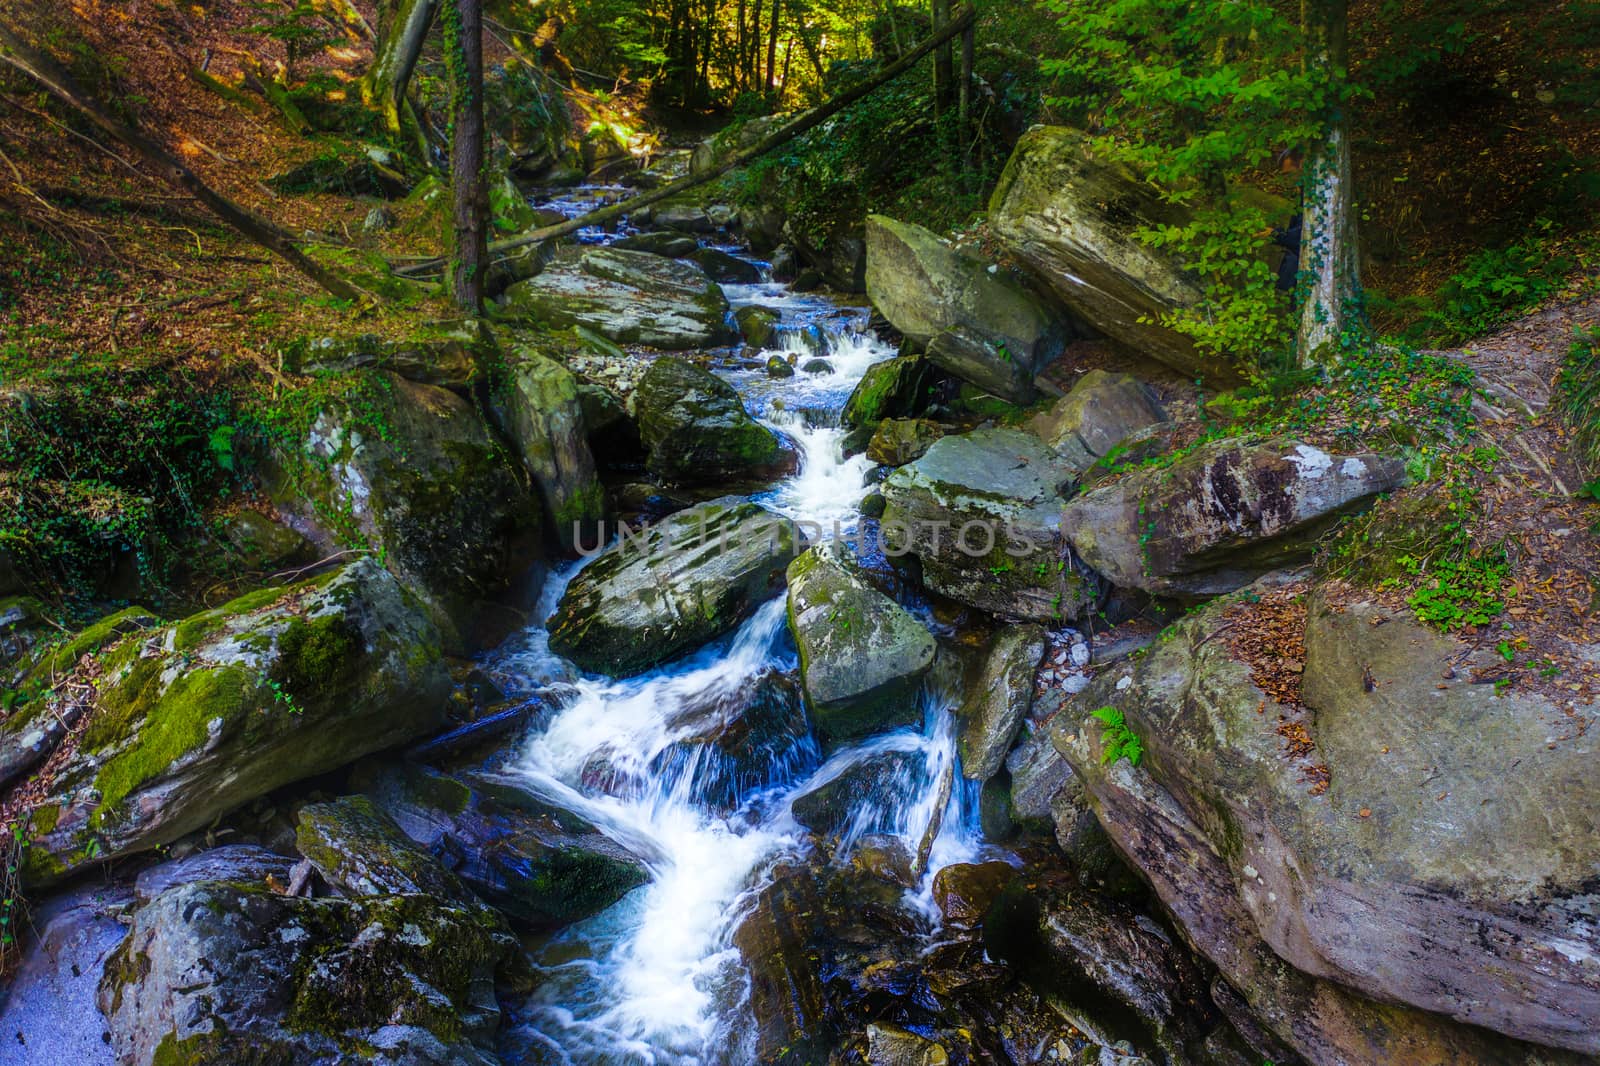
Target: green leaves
{"x":1120,"y":741}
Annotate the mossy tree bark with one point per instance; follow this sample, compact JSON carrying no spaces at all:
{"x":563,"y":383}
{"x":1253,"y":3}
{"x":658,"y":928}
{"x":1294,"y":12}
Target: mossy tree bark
{"x":464,"y":42}
{"x":19,"y":54}
{"x":1330,"y":270}
{"x":404,"y":31}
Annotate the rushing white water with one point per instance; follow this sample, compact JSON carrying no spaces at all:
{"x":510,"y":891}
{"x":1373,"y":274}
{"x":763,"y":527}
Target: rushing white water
{"x":655,"y":979}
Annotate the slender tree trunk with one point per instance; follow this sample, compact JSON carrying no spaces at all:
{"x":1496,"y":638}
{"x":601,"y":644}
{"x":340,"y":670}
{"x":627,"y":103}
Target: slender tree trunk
{"x":384,"y":87}
{"x":17,"y":53}
{"x":964,"y":111}
{"x":739,"y":46}
{"x":1328,"y":256}
{"x":464,"y":45}
{"x":941,"y":57}
{"x":772,"y":46}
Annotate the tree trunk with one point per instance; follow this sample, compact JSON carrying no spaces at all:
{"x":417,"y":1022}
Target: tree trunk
{"x":464,"y":46}
{"x":384,"y":87}
{"x":772,"y":47}
{"x":1328,"y":257}
{"x":941,"y":57}
{"x":740,"y":67}
{"x":964,"y":114}
{"x":41,"y":68}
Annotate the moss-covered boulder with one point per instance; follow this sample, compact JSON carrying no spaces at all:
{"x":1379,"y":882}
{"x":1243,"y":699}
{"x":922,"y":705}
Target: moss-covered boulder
{"x":220,"y":972}
{"x":446,"y":353}
{"x":901,"y":387}
{"x":546,"y":416}
{"x":1398,"y":804}
{"x":898,"y":441}
{"x":539,"y":864}
{"x":726,"y":269}
{"x":191,"y":720}
{"x":758,"y":324}
{"x":990,"y":329}
{"x":993,"y":711}
{"x":1091,"y":421}
{"x":630,"y":297}
{"x":981,"y":512}
{"x":696,"y":428}
{"x":359,"y":849}
{"x":413,"y":473}
{"x":659,"y":594}
{"x":862,"y":656}
{"x":1222,"y":516}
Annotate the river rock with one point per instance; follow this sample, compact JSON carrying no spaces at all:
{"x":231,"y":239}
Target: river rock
{"x":359,"y":849}
{"x":996,"y":705}
{"x":1073,"y":219}
{"x":1100,"y":412}
{"x":779,"y":367}
{"x":964,"y":891}
{"x":538,"y":863}
{"x":862,"y":656}
{"x":229,"y":704}
{"x":901,"y":387}
{"x":686,"y":218}
{"x":758,"y":324}
{"x":448,"y":354}
{"x":888,"y":1045}
{"x":990,"y":330}
{"x":546,"y":417}
{"x":630,"y":297}
{"x":725,"y":269}
{"x":659,"y":242}
{"x":1221,"y":516}
{"x":696,"y":427}
{"x":411,"y":472}
{"x":659,"y":594}
{"x":216,"y":972}
{"x":777,"y":940}
{"x":1445,"y":870}
{"x":249,"y":864}
{"x":878,"y":780}
{"x":981,"y":512}
{"x":735,"y":743}
{"x":898,"y":441}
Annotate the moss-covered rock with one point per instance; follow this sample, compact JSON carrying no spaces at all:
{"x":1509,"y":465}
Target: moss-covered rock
{"x":898,"y":441}
{"x":657,"y":595}
{"x":196,"y":718}
{"x":360,"y":849}
{"x":412,"y":473}
{"x":696,"y":427}
{"x":862,"y":656}
{"x":216,"y":973}
{"x":995,"y":706}
{"x":445,"y":353}
{"x":1101,"y":411}
{"x":546,"y":415}
{"x":981,"y":512}
{"x":539,"y":864}
{"x":630,"y":297}
{"x":901,"y":387}
{"x":758,"y":324}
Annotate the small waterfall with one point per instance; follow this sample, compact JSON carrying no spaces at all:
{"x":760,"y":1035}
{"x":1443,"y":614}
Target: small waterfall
{"x":655,"y":979}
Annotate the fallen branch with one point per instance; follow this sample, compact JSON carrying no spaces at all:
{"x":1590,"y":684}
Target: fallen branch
{"x":790,"y":130}
{"x":36,"y":65}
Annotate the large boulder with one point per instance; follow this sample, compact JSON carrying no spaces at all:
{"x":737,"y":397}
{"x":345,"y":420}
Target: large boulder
{"x":224,"y":972}
{"x":412,"y":472}
{"x":696,"y":428}
{"x":982,"y":513}
{"x":361,"y":851}
{"x":1222,"y":516}
{"x":659,"y":594}
{"x":983,"y":327}
{"x":540,"y":865}
{"x":901,"y":387}
{"x":1406,"y":847}
{"x":196,"y":718}
{"x":547,"y":422}
{"x":1072,"y":218}
{"x":862,"y":656}
{"x":444,"y":353}
{"x":898,"y":441}
{"x":1100,"y":412}
{"x":630,"y":297}
{"x":991,"y":715}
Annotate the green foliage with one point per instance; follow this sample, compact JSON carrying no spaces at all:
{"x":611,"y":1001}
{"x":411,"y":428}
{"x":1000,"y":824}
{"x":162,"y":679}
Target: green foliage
{"x":1200,"y":98}
{"x":1578,"y":398}
{"x":1121,"y":742}
{"x":297,"y":24}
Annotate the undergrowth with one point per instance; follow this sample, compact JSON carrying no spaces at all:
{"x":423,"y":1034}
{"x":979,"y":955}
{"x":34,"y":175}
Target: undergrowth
{"x":1121,"y":742}
{"x":1578,"y":399}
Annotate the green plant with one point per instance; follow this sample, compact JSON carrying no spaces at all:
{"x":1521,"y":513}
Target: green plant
{"x":1121,"y":742}
{"x":298,"y":25}
{"x":1577,"y":398}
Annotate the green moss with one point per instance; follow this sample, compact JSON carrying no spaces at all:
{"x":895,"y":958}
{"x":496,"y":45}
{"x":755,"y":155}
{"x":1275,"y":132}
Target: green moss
{"x":314,"y":654}
{"x":42,"y":820}
{"x":190,"y":632}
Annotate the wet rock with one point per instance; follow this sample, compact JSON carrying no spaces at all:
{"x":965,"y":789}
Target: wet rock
{"x":872,"y":505}
{"x":1037,"y":772}
{"x":898,"y":441}
{"x":964,"y":892}
{"x":778,"y":367}
{"x":891,"y":1046}
{"x":777,"y":941}
{"x":862,"y":656}
{"x":654,"y":596}
{"x":219,"y":972}
{"x":1100,"y":412}
{"x":1359,"y":919}
{"x":1089,"y":851}
{"x":413,"y":473}
{"x":540,"y":865}
{"x":629,"y":297}
{"x":696,"y":427}
{"x":837,"y":258}
{"x":817,"y":366}
{"x":261,"y":545}
{"x":981,"y":512}
{"x":229,"y":704}
{"x":885,"y":858}
{"x":878,"y":780}
{"x":726,"y":269}
{"x":685,"y":218}
{"x":359,"y":849}
{"x":785,"y":263}
{"x":248,"y":864}
{"x":901,"y":387}
{"x":447,"y":354}
{"x":996,"y":705}
{"x":1073,"y":220}
{"x":758,"y":324}
{"x":659,"y":242}
{"x":546,"y":417}
{"x":1222,"y":516}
